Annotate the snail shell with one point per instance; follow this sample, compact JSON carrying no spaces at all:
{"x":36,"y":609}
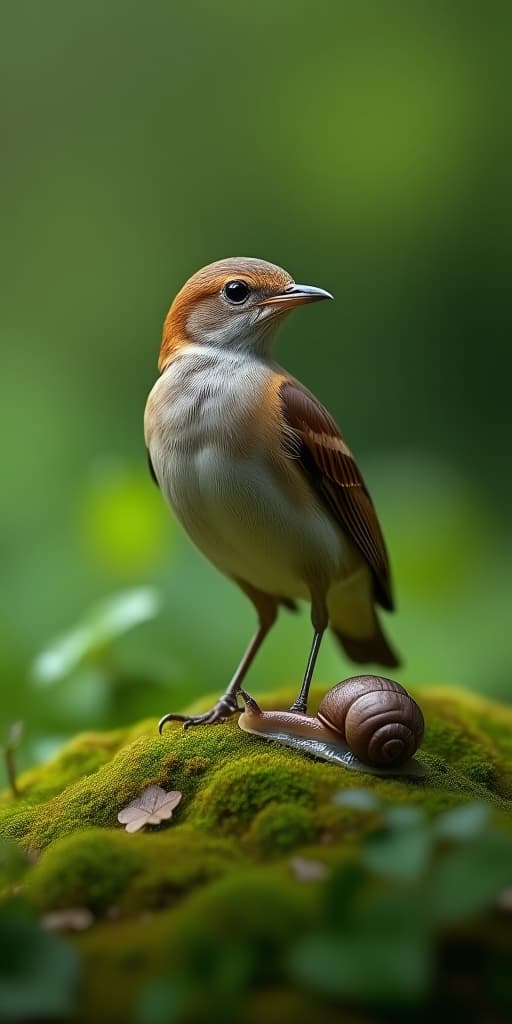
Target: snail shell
{"x":376,"y":718}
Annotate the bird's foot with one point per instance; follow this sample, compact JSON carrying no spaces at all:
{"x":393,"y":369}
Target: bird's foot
{"x":226,"y":706}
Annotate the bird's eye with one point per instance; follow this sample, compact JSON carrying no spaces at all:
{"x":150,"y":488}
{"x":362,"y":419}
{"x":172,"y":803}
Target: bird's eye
{"x":236,"y":291}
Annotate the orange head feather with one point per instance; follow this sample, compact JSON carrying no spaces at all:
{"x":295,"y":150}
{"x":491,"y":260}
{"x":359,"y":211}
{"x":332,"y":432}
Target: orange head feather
{"x":234,"y":302}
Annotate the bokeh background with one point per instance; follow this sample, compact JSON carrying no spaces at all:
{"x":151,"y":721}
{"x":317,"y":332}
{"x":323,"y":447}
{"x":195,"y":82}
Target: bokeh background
{"x":361,"y":146}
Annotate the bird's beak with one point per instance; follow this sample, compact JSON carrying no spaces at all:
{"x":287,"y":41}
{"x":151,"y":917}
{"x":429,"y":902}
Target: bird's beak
{"x":296,"y":295}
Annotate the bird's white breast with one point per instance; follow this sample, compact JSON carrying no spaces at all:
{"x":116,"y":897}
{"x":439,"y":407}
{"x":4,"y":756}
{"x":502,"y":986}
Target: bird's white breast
{"x":219,"y":466}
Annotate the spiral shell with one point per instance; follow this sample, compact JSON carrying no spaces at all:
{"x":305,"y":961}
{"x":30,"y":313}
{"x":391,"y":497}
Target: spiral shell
{"x":376,"y":718}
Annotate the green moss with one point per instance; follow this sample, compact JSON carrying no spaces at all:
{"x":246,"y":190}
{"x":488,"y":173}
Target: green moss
{"x":101,"y":869}
{"x":73,"y":872}
{"x":220,"y":867}
{"x":233,"y":930}
{"x":243,"y":786}
{"x":276,"y":1004}
{"x":336,"y":825}
{"x":82,"y":756}
{"x":174,"y":861}
{"x":471,"y":734}
{"x":482,"y":773}
{"x":259,"y":908}
{"x":280,"y":827}
{"x":121,"y":958}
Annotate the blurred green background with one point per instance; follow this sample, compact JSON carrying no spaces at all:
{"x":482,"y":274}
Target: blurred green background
{"x":362,"y":147}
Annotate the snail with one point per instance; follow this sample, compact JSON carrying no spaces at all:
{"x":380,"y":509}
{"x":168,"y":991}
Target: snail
{"x":366,"y":723}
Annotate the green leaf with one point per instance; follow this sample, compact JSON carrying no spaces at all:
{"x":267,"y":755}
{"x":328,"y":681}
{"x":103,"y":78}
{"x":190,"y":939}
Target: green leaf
{"x":468,"y":879}
{"x":464,"y":822}
{"x":161,"y":1002}
{"x":106,"y":622}
{"x":401,"y":855}
{"x":404,"y":817}
{"x":358,"y":798}
{"x":341,"y":892}
{"x":38,"y":973}
{"x":383,"y":956}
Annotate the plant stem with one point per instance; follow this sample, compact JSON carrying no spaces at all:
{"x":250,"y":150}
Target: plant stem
{"x":11,"y":770}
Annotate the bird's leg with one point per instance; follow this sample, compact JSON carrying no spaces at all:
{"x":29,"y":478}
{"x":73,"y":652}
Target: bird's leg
{"x":319,"y":618}
{"x":300,"y":705}
{"x":227,"y":705}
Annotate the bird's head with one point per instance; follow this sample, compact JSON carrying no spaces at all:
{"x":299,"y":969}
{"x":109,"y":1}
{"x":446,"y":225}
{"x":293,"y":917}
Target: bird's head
{"x":236,"y":303}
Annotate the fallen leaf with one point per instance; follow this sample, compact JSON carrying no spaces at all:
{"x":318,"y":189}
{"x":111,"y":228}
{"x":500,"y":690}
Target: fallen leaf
{"x":153,"y":806}
{"x":308,"y":870}
{"x":504,"y":900}
{"x":75,"y":919}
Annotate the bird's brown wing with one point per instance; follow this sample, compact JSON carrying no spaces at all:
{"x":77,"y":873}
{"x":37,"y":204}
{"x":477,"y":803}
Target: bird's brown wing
{"x":315,"y":440}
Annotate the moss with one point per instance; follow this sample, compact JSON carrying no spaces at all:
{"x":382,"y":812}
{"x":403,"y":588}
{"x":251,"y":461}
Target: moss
{"x":480,"y":772}
{"x":234,"y":929}
{"x":239,"y":926}
{"x":145,"y":872}
{"x":469,"y":733}
{"x":280,"y":827}
{"x":239,"y":905}
{"x":335,"y":824}
{"x":197,"y":765}
{"x":72,"y":873}
{"x":178,"y":758}
{"x":220,"y":867}
{"x":121,"y":958}
{"x":175,"y":861}
{"x":82,"y":756}
{"x":242,"y":787}
{"x":276,"y":1004}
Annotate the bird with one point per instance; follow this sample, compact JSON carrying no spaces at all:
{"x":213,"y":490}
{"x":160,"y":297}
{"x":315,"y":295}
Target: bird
{"x":258,"y":473}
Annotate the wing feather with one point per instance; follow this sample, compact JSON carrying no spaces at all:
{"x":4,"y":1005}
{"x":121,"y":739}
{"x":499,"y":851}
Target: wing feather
{"x":331,"y":468}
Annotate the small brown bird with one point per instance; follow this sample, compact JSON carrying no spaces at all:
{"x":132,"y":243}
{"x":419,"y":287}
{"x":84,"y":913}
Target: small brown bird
{"x":256,"y":470}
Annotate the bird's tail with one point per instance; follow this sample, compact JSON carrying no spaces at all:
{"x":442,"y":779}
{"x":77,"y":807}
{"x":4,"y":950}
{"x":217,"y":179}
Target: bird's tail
{"x":374,"y":648}
{"x":354,"y":622}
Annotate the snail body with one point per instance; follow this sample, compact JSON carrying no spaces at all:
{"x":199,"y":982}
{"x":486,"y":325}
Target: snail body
{"x":366,"y":723}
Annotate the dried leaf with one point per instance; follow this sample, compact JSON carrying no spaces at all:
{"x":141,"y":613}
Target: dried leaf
{"x":153,"y":806}
{"x":308,"y":870}
{"x":75,"y":919}
{"x":504,"y":900}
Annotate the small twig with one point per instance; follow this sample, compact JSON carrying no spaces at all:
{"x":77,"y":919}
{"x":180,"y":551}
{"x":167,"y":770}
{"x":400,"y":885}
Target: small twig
{"x":11,"y":770}
{"x":13,"y":741}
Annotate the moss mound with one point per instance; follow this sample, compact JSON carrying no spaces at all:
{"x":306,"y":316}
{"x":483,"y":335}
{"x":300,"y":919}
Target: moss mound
{"x":221,"y":890}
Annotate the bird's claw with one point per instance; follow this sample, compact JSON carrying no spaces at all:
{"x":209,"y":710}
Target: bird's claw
{"x":225,"y":707}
